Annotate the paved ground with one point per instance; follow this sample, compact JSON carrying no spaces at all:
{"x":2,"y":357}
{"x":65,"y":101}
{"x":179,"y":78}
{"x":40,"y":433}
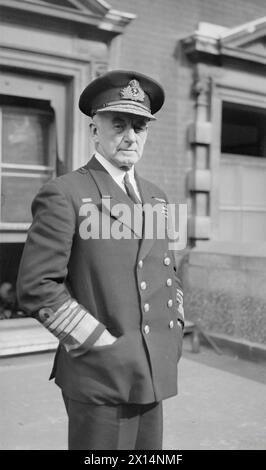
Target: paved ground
{"x":221,"y":404}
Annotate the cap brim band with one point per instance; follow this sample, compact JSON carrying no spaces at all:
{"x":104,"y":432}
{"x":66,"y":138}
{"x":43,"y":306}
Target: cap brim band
{"x":127,"y":108}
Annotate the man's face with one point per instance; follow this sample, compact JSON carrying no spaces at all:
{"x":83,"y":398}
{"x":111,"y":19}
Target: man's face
{"x":120,"y":137}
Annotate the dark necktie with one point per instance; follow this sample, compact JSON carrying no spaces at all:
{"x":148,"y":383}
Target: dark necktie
{"x":130,"y":190}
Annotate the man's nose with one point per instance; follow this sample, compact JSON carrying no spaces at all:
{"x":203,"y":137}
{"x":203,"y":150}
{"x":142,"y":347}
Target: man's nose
{"x":130,"y":135}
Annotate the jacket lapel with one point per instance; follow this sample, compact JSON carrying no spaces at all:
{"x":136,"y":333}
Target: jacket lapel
{"x":149,"y":199}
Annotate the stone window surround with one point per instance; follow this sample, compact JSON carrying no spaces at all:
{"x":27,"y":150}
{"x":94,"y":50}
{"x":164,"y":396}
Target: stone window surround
{"x":237,"y":81}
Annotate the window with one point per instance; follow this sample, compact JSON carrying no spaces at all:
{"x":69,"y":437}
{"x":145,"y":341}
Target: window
{"x":27,"y":157}
{"x":242,"y":188}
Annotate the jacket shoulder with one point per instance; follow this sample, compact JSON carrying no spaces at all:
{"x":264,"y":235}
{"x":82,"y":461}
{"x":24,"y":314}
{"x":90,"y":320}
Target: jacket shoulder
{"x":69,"y":183}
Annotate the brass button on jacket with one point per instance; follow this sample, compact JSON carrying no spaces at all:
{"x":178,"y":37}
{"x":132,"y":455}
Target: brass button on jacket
{"x":146,"y":329}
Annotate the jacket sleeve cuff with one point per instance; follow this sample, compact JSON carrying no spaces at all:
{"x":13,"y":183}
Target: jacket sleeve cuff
{"x":73,"y":325}
{"x":88,"y":343}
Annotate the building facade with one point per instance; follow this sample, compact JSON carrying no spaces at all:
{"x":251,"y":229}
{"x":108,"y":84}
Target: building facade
{"x":207,"y":149}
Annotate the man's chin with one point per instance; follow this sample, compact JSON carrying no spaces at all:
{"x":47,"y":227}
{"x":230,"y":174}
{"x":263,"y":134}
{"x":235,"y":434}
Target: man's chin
{"x":126,"y":160}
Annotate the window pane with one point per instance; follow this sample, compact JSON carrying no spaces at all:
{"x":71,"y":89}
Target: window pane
{"x":243,"y":130}
{"x":17,"y":196}
{"x":25,"y":136}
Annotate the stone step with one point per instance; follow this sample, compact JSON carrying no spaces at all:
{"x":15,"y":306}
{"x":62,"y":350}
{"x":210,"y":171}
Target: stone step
{"x":24,"y":335}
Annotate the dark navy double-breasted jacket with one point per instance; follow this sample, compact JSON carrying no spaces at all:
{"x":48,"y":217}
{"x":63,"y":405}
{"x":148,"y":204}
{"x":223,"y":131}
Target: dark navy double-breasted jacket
{"x":77,"y":285}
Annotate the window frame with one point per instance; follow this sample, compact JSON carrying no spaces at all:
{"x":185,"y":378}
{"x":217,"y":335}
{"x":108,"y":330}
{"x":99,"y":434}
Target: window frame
{"x":31,"y":86}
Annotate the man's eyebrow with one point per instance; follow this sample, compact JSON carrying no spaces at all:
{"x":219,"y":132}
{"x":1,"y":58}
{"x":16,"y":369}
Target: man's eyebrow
{"x":118,"y":119}
{"x":141,"y":122}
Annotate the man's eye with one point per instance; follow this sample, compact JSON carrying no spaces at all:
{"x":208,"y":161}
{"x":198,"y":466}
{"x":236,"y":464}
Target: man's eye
{"x":119,"y":126}
{"x":140,"y":128}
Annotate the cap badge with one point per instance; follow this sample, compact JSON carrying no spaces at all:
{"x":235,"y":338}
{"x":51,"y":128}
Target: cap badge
{"x":133,"y":91}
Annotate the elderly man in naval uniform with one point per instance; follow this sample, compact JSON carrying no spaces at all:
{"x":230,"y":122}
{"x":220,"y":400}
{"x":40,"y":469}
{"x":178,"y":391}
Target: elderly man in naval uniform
{"x":114,"y":302}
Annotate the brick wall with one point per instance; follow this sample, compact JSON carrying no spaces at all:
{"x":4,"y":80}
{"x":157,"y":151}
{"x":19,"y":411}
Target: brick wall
{"x":150,"y":45}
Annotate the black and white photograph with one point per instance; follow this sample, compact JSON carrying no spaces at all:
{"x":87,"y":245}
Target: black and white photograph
{"x":133,"y":229}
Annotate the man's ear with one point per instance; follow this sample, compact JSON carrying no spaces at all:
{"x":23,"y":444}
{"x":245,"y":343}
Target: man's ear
{"x":94,"y":131}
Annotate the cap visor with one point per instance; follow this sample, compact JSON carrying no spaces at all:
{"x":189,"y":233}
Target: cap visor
{"x":125,"y":108}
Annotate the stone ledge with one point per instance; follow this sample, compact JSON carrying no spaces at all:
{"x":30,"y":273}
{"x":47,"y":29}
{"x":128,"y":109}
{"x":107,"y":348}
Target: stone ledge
{"x":244,"y":349}
{"x":23,"y":336}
